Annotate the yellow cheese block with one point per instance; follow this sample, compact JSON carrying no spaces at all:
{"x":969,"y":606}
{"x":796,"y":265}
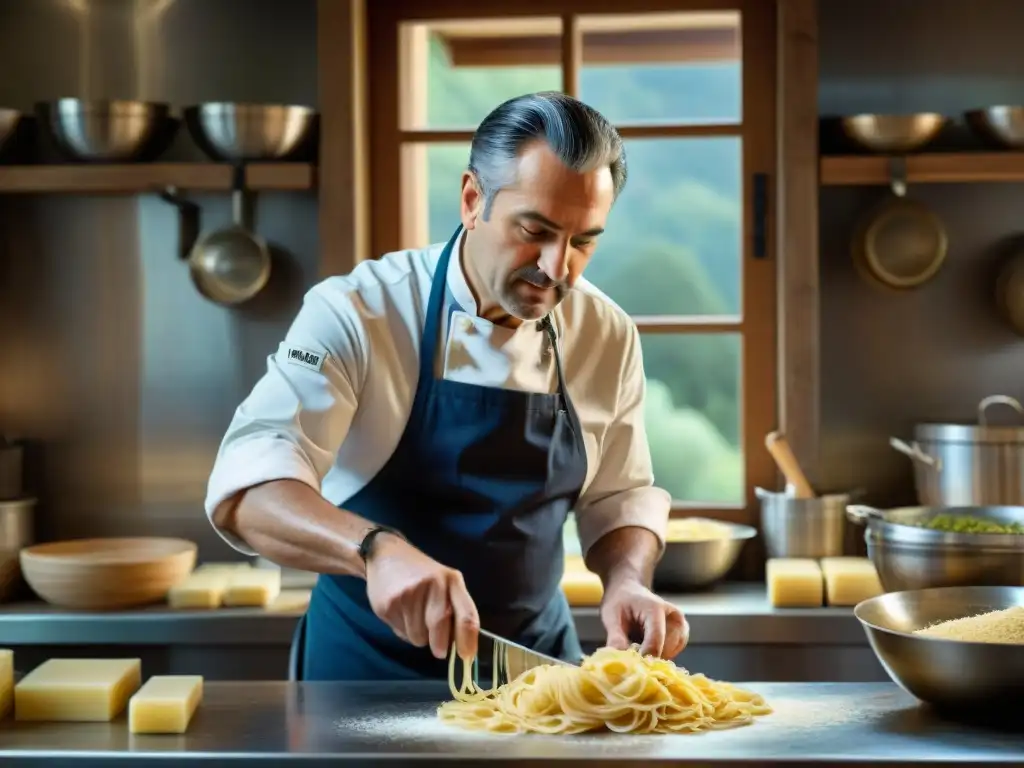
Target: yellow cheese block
{"x":222,"y":567}
{"x":77,"y":690}
{"x":6,"y":681}
{"x":165,"y":704}
{"x":290,"y":601}
{"x":581,"y":587}
{"x":794,"y":583}
{"x":199,"y":590}
{"x":256,"y":587}
{"x":848,"y":580}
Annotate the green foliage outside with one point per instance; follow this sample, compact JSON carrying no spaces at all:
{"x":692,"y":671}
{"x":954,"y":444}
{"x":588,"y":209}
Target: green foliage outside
{"x":672,"y":244}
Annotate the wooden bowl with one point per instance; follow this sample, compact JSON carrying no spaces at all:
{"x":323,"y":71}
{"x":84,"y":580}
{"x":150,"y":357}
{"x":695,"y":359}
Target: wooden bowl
{"x":107,"y":573}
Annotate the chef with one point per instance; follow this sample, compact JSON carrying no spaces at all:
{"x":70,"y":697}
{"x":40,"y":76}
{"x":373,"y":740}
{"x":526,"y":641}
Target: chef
{"x":431,"y":418}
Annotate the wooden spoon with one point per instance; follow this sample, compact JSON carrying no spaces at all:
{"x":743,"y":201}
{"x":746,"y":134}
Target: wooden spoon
{"x":779,"y":449}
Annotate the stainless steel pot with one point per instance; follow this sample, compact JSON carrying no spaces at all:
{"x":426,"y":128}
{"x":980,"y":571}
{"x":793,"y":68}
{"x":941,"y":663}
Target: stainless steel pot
{"x":908,"y":556}
{"x":16,"y":531}
{"x":969,"y":465}
{"x":17,"y":523}
{"x":794,"y":527}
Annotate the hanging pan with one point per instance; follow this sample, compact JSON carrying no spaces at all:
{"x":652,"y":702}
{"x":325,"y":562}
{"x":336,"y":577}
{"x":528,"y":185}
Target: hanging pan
{"x":901,"y":244}
{"x":228,"y":266}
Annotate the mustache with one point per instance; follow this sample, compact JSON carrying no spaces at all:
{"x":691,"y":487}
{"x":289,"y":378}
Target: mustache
{"x":535,"y":276}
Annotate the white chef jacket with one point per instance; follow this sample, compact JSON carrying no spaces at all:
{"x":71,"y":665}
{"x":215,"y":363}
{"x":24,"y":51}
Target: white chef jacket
{"x":337,"y":394}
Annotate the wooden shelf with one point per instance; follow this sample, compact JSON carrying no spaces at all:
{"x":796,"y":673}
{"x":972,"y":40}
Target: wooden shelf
{"x":151,"y":177}
{"x":933,"y":168}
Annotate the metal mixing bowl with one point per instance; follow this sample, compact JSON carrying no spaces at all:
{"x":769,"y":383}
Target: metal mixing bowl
{"x":244,"y":132}
{"x":111,"y":131}
{"x":1002,"y":125}
{"x":9,"y":119}
{"x":893,"y":133}
{"x":908,"y":556}
{"x":959,"y":678}
{"x":690,"y":565}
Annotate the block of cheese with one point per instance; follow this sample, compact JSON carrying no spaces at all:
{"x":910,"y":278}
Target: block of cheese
{"x":290,"y":601}
{"x":6,"y":681}
{"x":581,"y":586}
{"x":199,"y":590}
{"x":165,"y":704}
{"x":222,"y":567}
{"x":77,"y":690}
{"x":848,"y":580}
{"x":256,"y":587}
{"x":794,"y":582}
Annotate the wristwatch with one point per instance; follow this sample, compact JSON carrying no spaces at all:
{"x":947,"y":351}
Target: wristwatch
{"x":366,"y":546}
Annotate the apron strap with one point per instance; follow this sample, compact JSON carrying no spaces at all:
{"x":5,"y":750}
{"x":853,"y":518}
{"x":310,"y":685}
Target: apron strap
{"x":432,"y":324}
{"x":549,"y":327}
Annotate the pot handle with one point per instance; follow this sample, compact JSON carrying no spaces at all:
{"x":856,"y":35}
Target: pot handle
{"x":991,"y":400}
{"x":916,"y":453}
{"x":861,"y":513}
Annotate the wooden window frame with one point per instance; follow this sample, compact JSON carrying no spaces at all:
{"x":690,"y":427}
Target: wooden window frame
{"x":394,"y":161}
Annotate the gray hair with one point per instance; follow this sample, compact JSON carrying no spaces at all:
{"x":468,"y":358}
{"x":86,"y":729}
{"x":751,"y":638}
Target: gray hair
{"x":579,"y":135}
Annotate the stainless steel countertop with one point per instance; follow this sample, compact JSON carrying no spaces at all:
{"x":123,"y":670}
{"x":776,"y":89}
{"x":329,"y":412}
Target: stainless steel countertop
{"x":732,"y":614}
{"x":312,"y":723}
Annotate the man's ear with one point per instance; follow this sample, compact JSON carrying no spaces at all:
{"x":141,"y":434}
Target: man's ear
{"x":472,"y":204}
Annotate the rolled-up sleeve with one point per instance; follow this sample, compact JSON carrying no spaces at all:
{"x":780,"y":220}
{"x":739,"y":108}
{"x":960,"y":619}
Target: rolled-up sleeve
{"x":292,"y":424}
{"x":622,"y":493}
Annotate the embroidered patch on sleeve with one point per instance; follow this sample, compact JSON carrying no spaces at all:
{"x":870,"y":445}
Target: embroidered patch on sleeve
{"x":307,"y":358}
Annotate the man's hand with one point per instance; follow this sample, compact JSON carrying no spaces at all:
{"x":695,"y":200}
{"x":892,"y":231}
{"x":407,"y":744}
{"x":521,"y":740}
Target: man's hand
{"x":630,"y":606}
{"x":420,"y":599}
{"x":625,"y":560}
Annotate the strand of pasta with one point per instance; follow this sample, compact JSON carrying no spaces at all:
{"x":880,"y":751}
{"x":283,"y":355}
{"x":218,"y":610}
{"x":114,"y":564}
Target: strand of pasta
{"x":468,"y":690}
{"x":621,"y":691}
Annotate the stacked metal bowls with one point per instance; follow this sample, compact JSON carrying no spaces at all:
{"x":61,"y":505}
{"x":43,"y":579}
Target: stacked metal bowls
{"x":908,"y":555}
{"x":1001,"y":125}
{"x":893,"y":133}
{"x":104,"y":131}
{"x":965,"y":680}
{"x":249,"y":132}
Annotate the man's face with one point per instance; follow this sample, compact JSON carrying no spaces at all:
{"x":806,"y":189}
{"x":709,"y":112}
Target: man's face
{"x":540,"y":234}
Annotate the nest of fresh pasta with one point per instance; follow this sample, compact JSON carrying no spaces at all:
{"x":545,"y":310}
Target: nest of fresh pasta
{"x":613,"y":690}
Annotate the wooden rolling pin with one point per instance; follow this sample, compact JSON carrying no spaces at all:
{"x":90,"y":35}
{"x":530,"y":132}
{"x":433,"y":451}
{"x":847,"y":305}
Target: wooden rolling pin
{"x":779,"y":449}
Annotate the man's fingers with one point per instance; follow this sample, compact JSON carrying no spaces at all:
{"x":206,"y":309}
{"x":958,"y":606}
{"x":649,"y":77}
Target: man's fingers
{"x":677,"y":633}
{"x":617,"y":637}
{"x":654,"y":631}
{"x":467,"y":621}
{"x":439,"y":621}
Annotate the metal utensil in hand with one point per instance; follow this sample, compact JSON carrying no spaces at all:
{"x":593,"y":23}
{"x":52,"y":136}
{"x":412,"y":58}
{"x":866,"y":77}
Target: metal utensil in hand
{"x":511,"y":659}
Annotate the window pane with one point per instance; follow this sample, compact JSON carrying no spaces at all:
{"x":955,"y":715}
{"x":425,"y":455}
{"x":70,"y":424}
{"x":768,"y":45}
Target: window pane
{"x":693,"y":415}
{"x":663,"y":68}
{"x":458,"y":71}
{"x":672,"y":246}
{"x":445,"y":165}
{"x":673,"y":241}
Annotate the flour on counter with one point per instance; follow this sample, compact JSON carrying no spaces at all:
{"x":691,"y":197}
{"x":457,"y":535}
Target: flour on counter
{"x":391,"y":727}
{"x":410,"y":727}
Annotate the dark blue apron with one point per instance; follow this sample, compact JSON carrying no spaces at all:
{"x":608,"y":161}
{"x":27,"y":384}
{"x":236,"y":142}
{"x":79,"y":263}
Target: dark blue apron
{"x":481,"y":481}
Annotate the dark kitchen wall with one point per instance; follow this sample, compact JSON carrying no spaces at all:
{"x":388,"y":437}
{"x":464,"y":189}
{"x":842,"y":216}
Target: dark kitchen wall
{"x":890,"y":360}
{"x":122,"y":375}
